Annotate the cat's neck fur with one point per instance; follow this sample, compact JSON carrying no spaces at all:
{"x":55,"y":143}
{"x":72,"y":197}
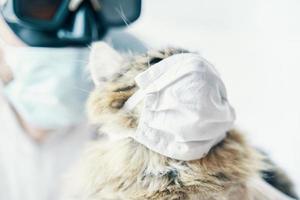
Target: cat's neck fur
{"x":125,"y":169}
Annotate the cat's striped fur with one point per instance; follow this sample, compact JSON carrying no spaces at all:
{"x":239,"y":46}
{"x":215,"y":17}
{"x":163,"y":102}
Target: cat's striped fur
{"x":126,"y":170}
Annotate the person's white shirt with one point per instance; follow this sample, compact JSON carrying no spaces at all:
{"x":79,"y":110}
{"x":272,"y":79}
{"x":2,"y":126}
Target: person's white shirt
{"x":30,"y":170}
{"x":35,"y":171}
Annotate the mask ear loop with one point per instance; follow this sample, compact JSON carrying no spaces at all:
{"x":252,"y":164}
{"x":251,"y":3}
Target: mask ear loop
{"x":134,"y":100}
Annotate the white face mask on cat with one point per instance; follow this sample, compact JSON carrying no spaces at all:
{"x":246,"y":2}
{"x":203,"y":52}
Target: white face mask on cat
{"x":186,"y":111}
{"x":50,"y":85}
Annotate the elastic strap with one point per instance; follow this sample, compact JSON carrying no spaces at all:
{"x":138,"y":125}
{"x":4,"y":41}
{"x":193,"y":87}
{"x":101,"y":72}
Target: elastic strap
{"x":134,"y":100}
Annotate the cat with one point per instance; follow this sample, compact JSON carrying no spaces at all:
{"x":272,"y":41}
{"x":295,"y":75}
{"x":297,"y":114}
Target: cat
{"x":119,"y":168}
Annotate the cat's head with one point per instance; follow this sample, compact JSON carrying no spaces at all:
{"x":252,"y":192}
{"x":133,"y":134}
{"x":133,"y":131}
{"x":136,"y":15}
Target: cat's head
{"x":113,"y":75}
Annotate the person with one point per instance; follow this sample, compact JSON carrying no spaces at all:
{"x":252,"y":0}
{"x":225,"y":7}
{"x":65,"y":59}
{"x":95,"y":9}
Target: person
{"x":44,"y":85}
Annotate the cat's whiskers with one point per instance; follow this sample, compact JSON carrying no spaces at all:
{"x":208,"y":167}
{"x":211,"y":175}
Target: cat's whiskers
{"x":122,"y":15}
{"x":82,"y":90}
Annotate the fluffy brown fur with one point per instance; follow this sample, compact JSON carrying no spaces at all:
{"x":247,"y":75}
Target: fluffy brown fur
{"x":126,"y":170}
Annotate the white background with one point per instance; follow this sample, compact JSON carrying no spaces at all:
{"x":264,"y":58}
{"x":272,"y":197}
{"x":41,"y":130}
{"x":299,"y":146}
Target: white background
{"x":255,"y":44}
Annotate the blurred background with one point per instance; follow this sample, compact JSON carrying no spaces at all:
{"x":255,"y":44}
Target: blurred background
{"x":256,"y":47}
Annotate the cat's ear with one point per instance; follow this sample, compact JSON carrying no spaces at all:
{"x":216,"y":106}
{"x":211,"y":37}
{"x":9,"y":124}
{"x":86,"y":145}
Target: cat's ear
{"x":104,"y":62}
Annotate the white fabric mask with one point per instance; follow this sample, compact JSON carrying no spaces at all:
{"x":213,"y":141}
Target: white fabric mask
{"x":186,"y":111}
{"x":50,"y":85}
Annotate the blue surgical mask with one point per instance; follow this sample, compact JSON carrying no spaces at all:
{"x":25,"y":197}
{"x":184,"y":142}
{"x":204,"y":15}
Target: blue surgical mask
{"x":50,"y":85}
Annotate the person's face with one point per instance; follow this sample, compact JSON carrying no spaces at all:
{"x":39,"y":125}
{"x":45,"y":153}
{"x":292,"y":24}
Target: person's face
{"x":7,"y":35}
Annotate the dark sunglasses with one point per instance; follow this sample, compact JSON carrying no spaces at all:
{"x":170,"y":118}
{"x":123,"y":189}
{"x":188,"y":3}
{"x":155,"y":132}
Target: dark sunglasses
{"x":51,"y":14}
